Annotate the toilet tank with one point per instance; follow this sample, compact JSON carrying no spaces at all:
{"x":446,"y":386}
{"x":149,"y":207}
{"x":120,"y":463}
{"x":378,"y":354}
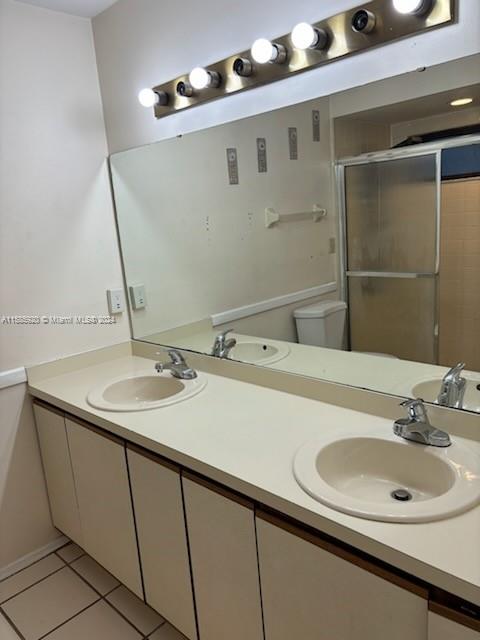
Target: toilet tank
{"x":322,"y":324}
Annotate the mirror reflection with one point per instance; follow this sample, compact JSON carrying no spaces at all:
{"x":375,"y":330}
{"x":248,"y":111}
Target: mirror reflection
{"x":337,"y":238}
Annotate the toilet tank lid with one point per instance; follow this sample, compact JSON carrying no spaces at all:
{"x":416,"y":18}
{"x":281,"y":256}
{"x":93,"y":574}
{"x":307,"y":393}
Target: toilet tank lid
{"x":320,"y":309}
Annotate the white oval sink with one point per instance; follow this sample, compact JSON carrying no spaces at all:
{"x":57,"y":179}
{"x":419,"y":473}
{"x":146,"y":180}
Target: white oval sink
{"x":143,"y":390}
{"x":357,"y":474}
{"x":429,"y":390}
{"x":262,"y":353}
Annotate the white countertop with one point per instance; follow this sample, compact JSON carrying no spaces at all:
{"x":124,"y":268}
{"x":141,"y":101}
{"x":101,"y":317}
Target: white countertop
{"x":245,"y":437}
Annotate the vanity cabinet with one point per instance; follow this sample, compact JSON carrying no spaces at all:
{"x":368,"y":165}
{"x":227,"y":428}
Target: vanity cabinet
{"x":314,"y":591}
{"x":443,"y":626}
{"x":103,"y":493}
{"x":162,"y":538}
{"x":221,"y":531}
{"x":57,"y":468}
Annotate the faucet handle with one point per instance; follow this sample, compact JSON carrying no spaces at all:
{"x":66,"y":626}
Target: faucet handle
{"x":454,"y":374}
{"x":175,"y":356}
{"x":416,"y":409}
{"x":223,"y":334}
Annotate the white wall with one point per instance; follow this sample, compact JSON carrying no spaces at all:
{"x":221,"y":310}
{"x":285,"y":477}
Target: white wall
{"x":145,"y":42}
{"x":57,"y":241}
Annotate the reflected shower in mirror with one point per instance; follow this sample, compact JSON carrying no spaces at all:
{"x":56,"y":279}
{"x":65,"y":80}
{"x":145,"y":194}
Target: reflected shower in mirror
{"x":337,"y":238}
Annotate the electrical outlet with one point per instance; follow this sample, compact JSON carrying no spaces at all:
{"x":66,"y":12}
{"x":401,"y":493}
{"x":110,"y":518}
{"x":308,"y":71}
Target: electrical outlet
{"x":137,"y":296}
{"x":332,"y":245}
{"x":116,"y":301}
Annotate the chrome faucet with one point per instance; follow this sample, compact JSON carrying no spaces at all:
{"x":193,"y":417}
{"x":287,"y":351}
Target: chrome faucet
{"x":221,"y":346}
{"x":177,"y":367}
{"x":453,"y":388}
{"x":417,"y":427}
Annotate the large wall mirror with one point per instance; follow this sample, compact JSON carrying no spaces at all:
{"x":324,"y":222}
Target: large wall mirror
{"x":337,"y":238}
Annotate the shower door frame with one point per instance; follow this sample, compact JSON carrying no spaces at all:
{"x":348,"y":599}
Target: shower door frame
{"x":374,"y":158}
{"x":432,"y":148}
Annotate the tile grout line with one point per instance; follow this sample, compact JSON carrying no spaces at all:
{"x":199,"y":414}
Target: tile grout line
{"x":52,"y":553}
{"x":32,"y":585}
{"x":104,"y":598}
{"x":147,"y":637}
{"x":101,"y":597}
{"x":125,"y":618}
{"x":69,"y":562}
{"x":13,"y":626}
{"x":69,"y":619}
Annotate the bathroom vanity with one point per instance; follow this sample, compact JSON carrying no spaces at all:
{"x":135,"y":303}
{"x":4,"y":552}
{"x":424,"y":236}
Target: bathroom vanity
{"x":194,"y":507}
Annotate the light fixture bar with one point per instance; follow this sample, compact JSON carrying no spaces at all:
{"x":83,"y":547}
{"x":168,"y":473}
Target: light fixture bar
{"x":240,"y":72}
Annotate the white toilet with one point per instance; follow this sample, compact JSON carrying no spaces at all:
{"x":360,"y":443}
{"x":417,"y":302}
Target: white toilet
{"x":322,"y":324}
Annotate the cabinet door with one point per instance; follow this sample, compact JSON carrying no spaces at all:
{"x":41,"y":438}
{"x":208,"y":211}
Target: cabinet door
{"x":312,"y":594}
{"x":103,"y":492}
{"x":223,"y":550}
{"x":440,"y":628}
{"x":57,"y":467}
{"x":162,"y":539}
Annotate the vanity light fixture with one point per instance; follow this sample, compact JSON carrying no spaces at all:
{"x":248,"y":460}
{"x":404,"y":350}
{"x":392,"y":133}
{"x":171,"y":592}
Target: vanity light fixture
{"x":150,"y":98}
{"x":184,"y":89}
{"x":201,"y":78}
{"x":304,"y":36}
{"x":461,"y":102}
{"x":306,"y":47}
{"x":263,"y":51}
{"x":414,"y":7}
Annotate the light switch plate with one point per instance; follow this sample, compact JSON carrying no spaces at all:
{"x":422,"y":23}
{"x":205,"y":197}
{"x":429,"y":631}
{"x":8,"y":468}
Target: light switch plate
{"x":137,"y":296}
{"x":116,"y":301}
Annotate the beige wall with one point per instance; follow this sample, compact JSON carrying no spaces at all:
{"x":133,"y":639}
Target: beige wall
{"x":354,"y":137}
{"x":199,"y":244}
{"x":459,"y":295}
{"x":58,"y":251}
{"x":143,"y":43}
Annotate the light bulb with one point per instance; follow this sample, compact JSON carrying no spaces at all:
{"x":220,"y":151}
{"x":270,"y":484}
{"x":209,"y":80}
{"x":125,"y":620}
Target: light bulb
{"x":461,"y":102}
{"x":412,"y":6}
{"x":201,"y":78}
{"x":264,"y":51}
{"x":151,"y":98}
{"x":304,"y":36}
{"x":148,"y":98}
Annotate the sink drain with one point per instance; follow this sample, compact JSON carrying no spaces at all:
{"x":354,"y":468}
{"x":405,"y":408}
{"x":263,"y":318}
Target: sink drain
{"x":402,"y":495}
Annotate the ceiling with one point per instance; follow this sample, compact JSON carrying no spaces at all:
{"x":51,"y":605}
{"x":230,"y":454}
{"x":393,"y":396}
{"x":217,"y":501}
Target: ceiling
{"x":436,"y":104}
{"x":85,"y":8}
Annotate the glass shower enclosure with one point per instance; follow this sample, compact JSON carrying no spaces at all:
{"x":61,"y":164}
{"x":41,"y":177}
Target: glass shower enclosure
{"x":390,"y":212}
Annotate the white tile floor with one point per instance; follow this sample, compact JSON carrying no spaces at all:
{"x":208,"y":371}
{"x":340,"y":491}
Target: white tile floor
{"x":68,"y":596}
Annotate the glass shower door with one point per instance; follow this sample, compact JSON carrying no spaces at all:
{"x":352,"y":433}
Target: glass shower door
{"x":391,"y":218}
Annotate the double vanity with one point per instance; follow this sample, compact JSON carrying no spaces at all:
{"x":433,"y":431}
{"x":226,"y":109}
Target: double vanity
{"x":238,"y":511}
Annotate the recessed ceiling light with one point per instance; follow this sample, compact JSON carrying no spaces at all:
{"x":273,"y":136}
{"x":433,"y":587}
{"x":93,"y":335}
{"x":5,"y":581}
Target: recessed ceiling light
{"x":461,"y":102}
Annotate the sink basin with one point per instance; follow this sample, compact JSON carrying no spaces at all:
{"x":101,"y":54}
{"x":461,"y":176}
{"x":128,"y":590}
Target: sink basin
{"x":143,"y":390}
{"x":429,"y":390}
{"x":262,"y":353}
{"x":357,"y":474}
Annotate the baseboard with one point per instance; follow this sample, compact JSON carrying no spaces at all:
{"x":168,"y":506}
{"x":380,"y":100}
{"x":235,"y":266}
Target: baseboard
{"x":32,"y":557}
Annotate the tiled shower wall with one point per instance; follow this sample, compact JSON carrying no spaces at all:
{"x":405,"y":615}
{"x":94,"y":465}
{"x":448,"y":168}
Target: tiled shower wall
{"x":459,"y":293}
